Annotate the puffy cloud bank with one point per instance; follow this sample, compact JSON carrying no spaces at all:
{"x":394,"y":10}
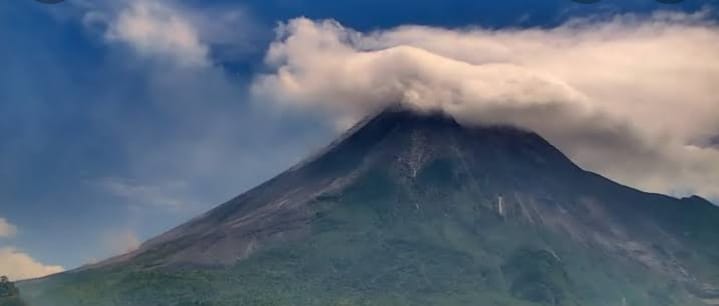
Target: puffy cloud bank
{"x":633,"y":98}
{"x":18,"y":266}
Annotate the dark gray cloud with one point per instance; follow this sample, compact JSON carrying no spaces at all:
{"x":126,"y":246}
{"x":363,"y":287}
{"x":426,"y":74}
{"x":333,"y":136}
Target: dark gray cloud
{"x":714,"y":141}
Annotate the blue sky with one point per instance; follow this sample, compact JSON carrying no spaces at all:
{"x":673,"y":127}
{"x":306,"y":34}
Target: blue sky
{"x":104,"y":144}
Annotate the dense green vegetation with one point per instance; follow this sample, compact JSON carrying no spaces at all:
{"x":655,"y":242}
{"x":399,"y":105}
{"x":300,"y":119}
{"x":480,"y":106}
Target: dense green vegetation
{"x":9,"y":294}
{"x":391,"y":252}
{"x":426,"y":213}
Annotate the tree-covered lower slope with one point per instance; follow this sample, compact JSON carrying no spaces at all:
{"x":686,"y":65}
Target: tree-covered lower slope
{"x":415,"y":209}
{"x":9,"y":294}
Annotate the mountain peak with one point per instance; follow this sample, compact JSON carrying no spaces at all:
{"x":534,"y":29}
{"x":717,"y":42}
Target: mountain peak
{"x":401,"y":113}
{"x":404,"y":148}
{"x":413,"y":202}
{"x":439,"y":131}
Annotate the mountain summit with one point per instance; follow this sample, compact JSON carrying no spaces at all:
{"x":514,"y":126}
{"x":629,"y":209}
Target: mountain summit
{"x":413,"y":208}
{"x":398,"y":152}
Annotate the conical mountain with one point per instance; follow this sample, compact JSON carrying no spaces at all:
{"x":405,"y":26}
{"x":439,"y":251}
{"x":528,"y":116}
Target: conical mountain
{"x":415,"y":209}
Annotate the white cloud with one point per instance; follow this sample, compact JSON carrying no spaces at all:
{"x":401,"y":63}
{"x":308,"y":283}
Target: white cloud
{"x":629,"y":97}
{"x":121,"y":241}
{"x":18,"y":266}
{"x":144,"y":195}
{"x":155,"y":29}
{"x":168,"y":30}
{"x":7,"y":229}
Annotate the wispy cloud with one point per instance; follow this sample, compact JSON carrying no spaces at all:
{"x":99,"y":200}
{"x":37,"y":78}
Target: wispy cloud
{"x":159,"y":132}
{"x":121,"y":241}
{"x":6,"y":229}
{"x":171,"y":32}
{"x":627,"y":97}
{"x":142,"y":195}
{"x":155,"y":29}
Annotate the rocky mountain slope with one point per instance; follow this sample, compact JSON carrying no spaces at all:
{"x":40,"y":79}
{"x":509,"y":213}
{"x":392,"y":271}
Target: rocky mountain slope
{"x":416,"y":209}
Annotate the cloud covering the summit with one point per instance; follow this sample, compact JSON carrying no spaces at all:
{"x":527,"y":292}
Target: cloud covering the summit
{"x":633,"y":98}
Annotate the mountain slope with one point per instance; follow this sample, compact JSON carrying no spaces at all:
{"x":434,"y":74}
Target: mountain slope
{"x":415,"y":209}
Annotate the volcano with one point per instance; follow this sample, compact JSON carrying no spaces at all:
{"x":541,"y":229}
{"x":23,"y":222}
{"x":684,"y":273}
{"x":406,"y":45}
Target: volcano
{"x":414,"y":208}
